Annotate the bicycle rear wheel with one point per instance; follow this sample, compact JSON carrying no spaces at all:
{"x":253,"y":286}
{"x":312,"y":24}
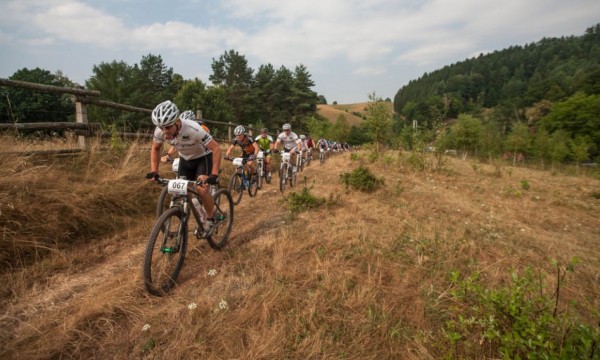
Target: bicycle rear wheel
{"x":236,"y":188}
{"x":223,"y":219}
{"x":165,"y":251}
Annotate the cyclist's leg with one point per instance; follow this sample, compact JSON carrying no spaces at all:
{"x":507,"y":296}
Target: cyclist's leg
{"x":204,"y":166}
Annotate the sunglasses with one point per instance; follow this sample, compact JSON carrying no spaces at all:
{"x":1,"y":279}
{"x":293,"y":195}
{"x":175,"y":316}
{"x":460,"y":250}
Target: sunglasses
{"x":167,"y":127}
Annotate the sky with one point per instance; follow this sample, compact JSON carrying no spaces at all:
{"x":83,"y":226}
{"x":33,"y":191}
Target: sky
{"x":351,"y":48}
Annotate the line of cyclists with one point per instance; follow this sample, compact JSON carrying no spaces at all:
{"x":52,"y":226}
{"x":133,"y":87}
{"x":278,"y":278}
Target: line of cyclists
{"x":200,"y":154}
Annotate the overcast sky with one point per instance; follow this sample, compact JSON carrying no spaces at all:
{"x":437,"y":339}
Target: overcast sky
{"x":351,"y":48}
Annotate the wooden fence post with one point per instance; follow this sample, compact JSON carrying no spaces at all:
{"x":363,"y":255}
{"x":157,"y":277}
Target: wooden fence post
{"x":81,"y":117}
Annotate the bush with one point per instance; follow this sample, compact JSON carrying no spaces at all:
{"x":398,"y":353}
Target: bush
{"x":303,"y":201}
{"x":361,"y":179}
{"x":519,"y":321}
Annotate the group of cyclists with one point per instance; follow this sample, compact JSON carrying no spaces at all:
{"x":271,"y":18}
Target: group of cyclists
{"x":200,"y":154}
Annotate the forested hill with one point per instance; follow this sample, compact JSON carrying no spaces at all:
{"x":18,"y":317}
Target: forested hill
{"x":551,"y":69}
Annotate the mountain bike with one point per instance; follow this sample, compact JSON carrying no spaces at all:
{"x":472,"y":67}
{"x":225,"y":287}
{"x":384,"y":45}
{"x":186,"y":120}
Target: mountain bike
{"x":322,"y":155}
{"x":240,"y":180}
{"x":167,"y":244}
{"x":286,"y":171}
{"x":261,"y":170}
{"x":300,"y":161}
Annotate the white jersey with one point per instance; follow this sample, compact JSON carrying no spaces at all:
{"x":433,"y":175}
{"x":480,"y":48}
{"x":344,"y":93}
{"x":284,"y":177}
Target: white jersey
{"x":288,"y":141}
{"x":190,"y":142}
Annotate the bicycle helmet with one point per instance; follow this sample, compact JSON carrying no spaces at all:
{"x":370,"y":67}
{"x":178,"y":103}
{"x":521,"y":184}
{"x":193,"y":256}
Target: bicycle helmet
{"x":302,"y":137}
{"x":286,"y":127}
{"x":165,"y":114}
{"x":239,"y":130}
{"x":187,"y":115}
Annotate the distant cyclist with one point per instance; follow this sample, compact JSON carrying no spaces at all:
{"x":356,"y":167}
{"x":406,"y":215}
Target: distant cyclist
{"x":248,"y":145}
{"x":290,"y":142}
{"x":200,"y":154}
{"x":265,"y":144}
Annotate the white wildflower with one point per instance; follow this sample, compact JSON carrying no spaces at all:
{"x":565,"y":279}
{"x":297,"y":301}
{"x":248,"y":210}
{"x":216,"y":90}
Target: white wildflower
{"x":192,"y":306}
{"x":212,"y":272}
{"x":146,"y":327}
{"x":223,"y":304}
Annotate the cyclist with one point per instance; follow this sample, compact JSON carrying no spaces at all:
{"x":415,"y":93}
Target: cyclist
{"x":265,"y":144}
{"x":303,"y":147}
{"x":249,"y":148}
{"x":200,"y":154}
{"x":290,"y":142}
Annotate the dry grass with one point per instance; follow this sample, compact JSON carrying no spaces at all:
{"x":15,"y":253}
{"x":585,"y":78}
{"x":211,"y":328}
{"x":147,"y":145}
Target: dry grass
{"x":332,"y":112}
{"x":364,"y":276}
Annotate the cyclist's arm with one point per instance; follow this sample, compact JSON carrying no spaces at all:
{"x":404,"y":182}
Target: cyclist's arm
{"x":216,"y":160}
{"x":229,"y":150}
{"x":256,"y":148}
{"x":155,"y":156}
{"x":299,"y":145}
{"x":275,"y":146}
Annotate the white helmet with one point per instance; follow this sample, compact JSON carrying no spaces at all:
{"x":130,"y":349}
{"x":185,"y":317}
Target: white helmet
{"x":187,"y":115}
{"x":286,"y":127}
{"x":302,"y":137}
{"x":239,"y":130}
{"x":165,"y":114}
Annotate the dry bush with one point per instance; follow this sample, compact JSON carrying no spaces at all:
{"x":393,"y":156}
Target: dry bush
{"x":363,"y":276}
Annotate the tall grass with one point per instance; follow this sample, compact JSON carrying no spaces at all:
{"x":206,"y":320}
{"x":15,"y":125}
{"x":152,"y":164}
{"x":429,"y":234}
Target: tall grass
{"x":366,"y":275}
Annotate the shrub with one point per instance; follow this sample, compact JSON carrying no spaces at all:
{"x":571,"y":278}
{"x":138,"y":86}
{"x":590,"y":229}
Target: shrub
{"x":361,"y":179}
{"x":303,"y":201}
{"x":521,"y":320}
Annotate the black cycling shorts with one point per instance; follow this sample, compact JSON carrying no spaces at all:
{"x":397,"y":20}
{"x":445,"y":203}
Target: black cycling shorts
{"x":193,"y":168}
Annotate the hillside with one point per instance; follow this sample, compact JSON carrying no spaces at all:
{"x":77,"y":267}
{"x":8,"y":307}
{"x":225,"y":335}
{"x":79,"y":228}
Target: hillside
{"x":349,"y":111}
{"x":362,"y":276}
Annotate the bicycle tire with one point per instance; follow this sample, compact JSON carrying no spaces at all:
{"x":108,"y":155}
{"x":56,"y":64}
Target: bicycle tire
{"x":253,"y":188}
{"x":260,"y":172}
{"x":163,"y":202}
{"x":165,"y":251}
{"x":292,"y":177}
{"x":223,"y":214}
{"x":283,"y":171}
{"x":236,"y":188}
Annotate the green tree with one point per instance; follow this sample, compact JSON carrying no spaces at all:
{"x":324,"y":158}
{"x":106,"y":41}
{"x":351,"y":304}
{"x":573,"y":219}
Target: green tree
{"x":559,"y":148}
{"x":518,"y":140}
{"x":379,"y":121}
{"x":580,"y":148}
{"x":231,"y":71}
{"x":25,"y":105}
{"x":466,"y":134}
{"x":189,"y":96}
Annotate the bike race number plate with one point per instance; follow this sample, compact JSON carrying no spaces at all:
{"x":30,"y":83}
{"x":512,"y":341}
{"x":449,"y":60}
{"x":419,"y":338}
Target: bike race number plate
{"x":260,"y":155}
{"x":238,"y":162}
{"x":285,"y":156}
{"x":177,"y":186}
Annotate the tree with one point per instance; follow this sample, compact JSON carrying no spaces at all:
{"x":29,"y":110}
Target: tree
{"x":189,"y":96}
{"x":25,"y":105}
{"x":231,"y":71}
{"x":518,"y":140}
{"x":580,"y":149}
{"x":466,"y":134}
{"x":379,"y":121}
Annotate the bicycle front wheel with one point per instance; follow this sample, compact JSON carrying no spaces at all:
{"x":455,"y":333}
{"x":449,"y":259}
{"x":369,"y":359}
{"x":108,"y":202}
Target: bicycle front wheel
{"x":163,"y":202}
{"x":165,"y":251}
{"x":283,"y":173}
{"x":253,"y":185}
{"x":260,"y":172}
{"x":236,"y":188}
{"x":223,"y":214}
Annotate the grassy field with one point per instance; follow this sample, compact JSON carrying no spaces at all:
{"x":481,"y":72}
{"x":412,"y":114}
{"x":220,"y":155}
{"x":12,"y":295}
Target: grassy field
{"x":397,"y":273}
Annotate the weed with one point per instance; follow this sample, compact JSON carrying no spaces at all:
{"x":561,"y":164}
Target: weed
{"x":303,"y":201}
{"x":361,"y":179}
{"x":524,"y":184}
{"x":516,"y":321}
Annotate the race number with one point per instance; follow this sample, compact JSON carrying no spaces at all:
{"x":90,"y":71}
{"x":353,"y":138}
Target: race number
{"x":177,"y":187}
{"x":238,"y":161}
{"x":285,"y":156}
